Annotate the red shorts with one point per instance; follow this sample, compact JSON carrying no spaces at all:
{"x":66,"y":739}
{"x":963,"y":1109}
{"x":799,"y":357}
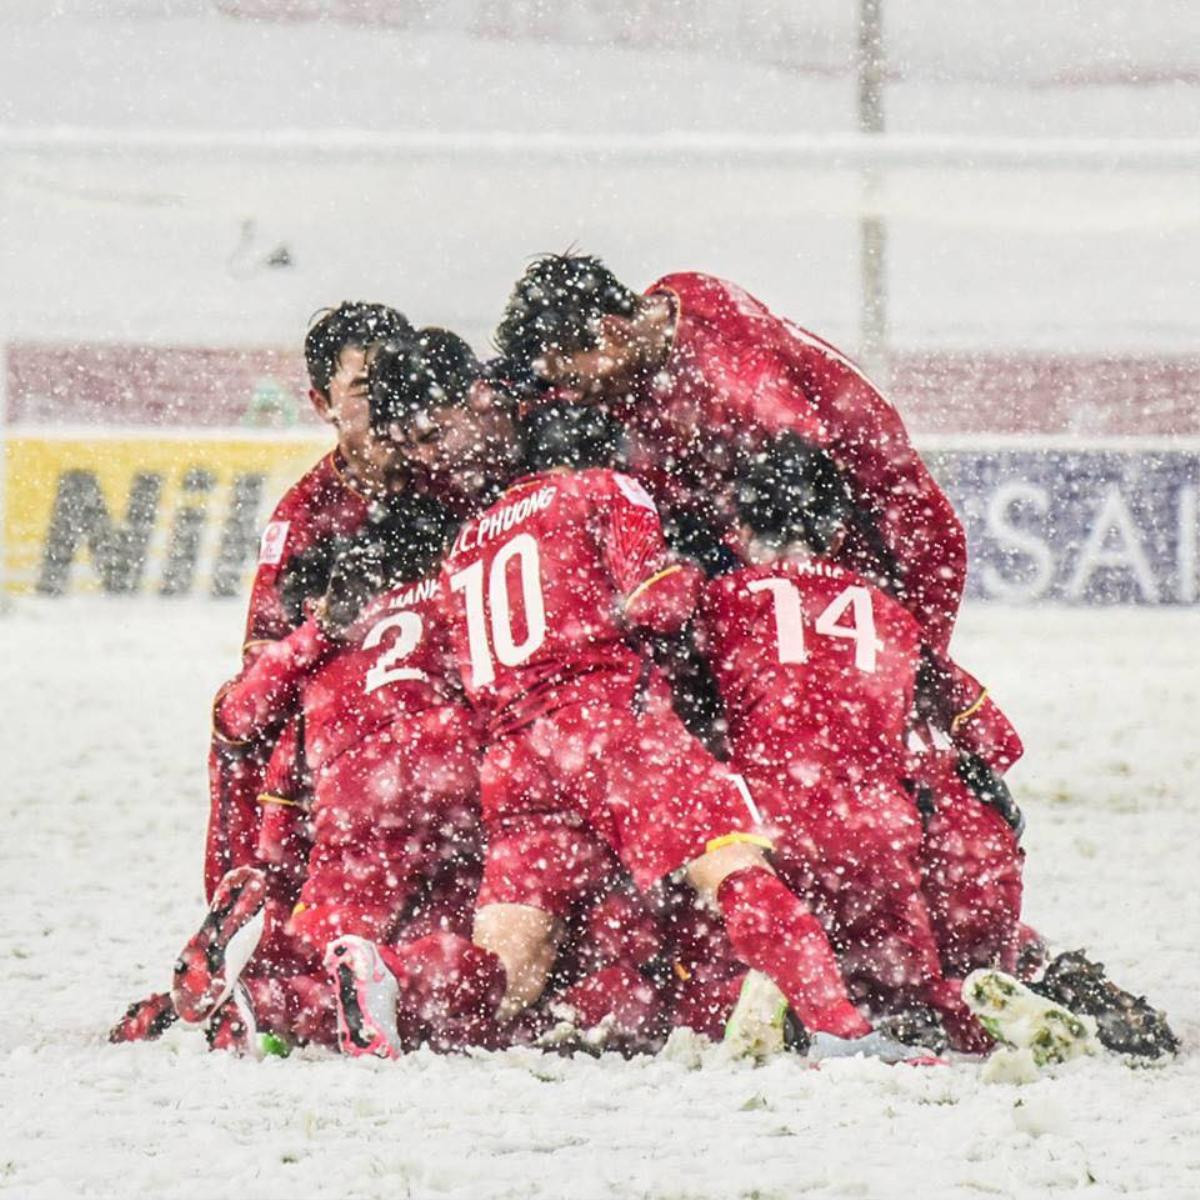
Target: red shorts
{"x":636,"y":782}
{"x":385,"y":817}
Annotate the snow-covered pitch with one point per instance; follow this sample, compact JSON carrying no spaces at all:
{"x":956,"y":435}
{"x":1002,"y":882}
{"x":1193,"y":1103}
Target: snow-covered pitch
{"x":103,"y":731}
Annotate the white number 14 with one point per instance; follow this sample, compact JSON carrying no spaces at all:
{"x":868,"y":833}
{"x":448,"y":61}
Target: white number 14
{"x":789,"y":621}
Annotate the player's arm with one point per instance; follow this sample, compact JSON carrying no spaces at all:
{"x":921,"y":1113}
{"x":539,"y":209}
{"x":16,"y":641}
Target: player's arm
{"x":264,"y":694}
{"x":659,"y":592}
{"x":957,"y":703}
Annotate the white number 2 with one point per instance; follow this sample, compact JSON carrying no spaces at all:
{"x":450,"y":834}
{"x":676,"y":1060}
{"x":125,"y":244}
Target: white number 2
{"x":789,"y":621}
{"x":410,"y":627}
{"x":503,"y":644}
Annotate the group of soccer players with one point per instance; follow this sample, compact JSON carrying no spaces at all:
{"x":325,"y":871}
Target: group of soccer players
{"x":605,"y":688}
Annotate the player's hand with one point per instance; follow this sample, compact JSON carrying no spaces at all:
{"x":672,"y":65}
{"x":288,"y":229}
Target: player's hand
{"x":358,"y":575}
{"x":991,"y":789}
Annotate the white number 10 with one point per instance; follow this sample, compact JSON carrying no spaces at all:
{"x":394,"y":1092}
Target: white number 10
{"x":503,"y":644}
{"x":789,"y":621}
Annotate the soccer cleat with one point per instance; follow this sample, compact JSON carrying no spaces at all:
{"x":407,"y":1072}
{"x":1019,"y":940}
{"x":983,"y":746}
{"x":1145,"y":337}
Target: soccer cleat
{"x":919,"y":1027}
{"x":145,"y":1020}
{"x":1018,"y":1017}
{"x":761,"y":1024}
{"x":365,"y":993}
{"x":871,"y":1045}
{"x":233,"y":1027}
{"x":210,"y":963}
{"x":1125,"y":1023}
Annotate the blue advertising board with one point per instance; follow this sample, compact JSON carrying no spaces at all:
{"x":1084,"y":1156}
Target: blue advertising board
{"x":1111,"y":525}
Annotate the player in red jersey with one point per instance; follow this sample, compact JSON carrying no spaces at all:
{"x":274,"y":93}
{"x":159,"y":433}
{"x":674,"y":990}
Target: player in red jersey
{"x":818,"y":671}
{"x":386,"y":747}
{"x":704,"y":374}
{"x":391,"y":749}
{"x":331,"y":500}
{"x":585,"y":756}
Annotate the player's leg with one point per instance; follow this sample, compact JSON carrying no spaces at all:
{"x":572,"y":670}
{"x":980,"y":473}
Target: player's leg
{"x":971,"y":866}
{"x":536,"y":870}
{"x":374,"y":837}
{"x":235,"y":781}
{"x":525,"y":940}
{"x":210,"y":963}
{"x":441,"y":990}
{"x":672,"y":805}
{"x":773,"y":932}
{"x":540,"y":861}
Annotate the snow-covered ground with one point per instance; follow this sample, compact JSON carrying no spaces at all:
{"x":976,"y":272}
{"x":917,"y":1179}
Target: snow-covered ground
{"x":103,"y":728}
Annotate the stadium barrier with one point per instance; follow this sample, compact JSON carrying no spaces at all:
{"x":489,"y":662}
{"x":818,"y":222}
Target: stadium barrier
{"x":113,"y":485}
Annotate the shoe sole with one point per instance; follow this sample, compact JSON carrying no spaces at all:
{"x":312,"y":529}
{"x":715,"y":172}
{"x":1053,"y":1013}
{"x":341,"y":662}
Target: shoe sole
{"x":1018,"y":1017}
{"x":366,"y":994}
{"x":757,"y":1026}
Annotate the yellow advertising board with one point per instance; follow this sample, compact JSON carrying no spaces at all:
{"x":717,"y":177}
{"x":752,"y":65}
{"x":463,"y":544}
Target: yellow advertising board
{"x":171,"y":514}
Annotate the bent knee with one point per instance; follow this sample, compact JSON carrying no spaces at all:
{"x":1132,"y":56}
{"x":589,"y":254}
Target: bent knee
{"x":713,"y":867}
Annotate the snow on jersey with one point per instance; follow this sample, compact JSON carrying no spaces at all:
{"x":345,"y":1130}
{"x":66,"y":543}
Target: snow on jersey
{"x":320,"y":505}
{"x":543,"y":587}
{"x":392,"y":662}
{"x":738,"y":373}
{"x":815,"y":665}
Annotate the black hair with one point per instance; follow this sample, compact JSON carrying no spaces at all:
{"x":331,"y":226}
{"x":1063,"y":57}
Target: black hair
{"x":696,"y":535}
{"x":351,"y":323}
{"x":557,"y":305}
{"x":792,"y":491}
{"x":408,"y":376}
{"x":563,"y":434}
{"x":401,"y":542}
{"x":306,"y":575}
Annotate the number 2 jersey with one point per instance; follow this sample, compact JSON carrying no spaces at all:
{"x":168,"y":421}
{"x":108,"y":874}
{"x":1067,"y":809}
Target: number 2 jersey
{"x":544,"y":587}
{"x":391,"y":667}
{"x":817,"y":669}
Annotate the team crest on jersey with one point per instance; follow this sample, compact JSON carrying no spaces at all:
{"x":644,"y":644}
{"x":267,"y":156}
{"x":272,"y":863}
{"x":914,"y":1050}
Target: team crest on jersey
{"x":634,"y":492}
{"x":273,"y":539}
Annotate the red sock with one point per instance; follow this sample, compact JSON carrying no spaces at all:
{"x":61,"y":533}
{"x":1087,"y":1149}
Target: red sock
{"x":449,"y":987}
{"x":962,"y":1027}
{"x":773,"y":932}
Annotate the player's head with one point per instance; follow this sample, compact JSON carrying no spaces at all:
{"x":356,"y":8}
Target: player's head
{"x":428,"y":395}
{"x":336,"y":353}
{"x":305,"y":576}
{"x":557,"y":305}
{"x":564,"y":434}
{"x":402,"y":540}
{"x":336,"y":333}
{"x":411,"y":378}
{"x":792,"y":494}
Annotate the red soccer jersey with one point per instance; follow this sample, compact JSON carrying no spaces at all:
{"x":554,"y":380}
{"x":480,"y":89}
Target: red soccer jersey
{"x":544,"y":586}
{"x":320,"y":505}
{"x":392,"y":662}
{"x":816,"y":666}
{"x":737,"y":374}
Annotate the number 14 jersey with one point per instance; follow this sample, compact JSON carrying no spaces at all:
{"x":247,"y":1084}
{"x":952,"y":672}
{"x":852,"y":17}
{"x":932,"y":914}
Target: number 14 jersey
{"x":816,"y":666}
